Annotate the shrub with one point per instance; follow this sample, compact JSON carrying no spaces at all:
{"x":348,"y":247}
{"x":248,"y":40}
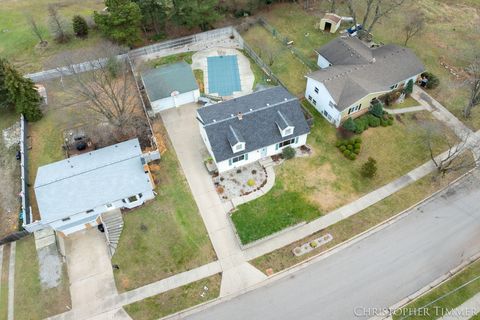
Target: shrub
{"x":113,"y":66}
{"x":80,"y":26}
{"x":356,"y":151}
{"x":408,"y":88}
{"x":390,"y":122}
{"x":288,"y":153}
{"x":373,"y":121}
{"x":251,"y":182}
{"x":391,"y":97}
{"x":377,"y":109}
{"x":358,"y":140}
{"x":343,"y":148}
{"x":369,"y":168}
{"x":357,"y":145}
{"x":350,"y":147}
{"x":384,"y":122}
{"x":346,"y":153}
{"x":352,"y":156}
{"x":349,"y":125}
{"x":433,"y":80}
{"x":313,"y":244}
{"x":339,"y":143}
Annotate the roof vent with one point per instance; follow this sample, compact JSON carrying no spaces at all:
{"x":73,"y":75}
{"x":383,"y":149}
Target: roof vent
{"x":214,"y":120}
{"x":251,"y":109}
{"x":285,"y":99}
{"x":240,"y":116}
{"x":268,"y":104}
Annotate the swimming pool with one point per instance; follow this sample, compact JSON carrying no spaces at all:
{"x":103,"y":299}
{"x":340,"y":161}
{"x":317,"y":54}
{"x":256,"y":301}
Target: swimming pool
{"x":223,"y":75}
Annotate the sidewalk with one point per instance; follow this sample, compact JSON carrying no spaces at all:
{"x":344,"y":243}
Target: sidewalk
{"x":11,"y":282}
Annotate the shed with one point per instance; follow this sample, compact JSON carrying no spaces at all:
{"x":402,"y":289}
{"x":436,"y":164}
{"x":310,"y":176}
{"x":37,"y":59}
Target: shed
{"x":170,"y":86}
{"x":330,"y":22}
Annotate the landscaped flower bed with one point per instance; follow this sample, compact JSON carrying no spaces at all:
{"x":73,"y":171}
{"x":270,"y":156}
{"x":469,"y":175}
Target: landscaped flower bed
{"x":312,"y":245}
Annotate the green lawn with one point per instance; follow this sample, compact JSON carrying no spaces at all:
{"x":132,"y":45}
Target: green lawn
{"x":167,"y":234}
{"x":342,"y":231}
{"x":31,"y":301}
{"x":407,"y":103}
{"x":4,"y":283}
{"x":186,"y":56}
{"x":451,"y":301}
{"x":18,"y":43}
{"x":327,"y":180}
{"x":175,"y":300}
{"x":286,"y":66}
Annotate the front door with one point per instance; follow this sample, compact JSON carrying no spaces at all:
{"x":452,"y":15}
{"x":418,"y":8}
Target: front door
{"x":263,"y":152}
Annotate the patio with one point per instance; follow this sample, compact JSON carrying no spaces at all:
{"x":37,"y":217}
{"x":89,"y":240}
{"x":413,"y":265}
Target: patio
{"x":240,"y":182}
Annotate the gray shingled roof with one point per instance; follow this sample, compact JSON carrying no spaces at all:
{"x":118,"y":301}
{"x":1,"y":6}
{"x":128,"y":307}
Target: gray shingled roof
{"x":258,"y":126}
{"x":90,"y":180}
{"x":162,"y":81}
{"x":351,"y":77}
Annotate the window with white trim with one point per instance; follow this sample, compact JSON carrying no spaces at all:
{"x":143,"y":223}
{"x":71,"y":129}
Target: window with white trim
{"x":239,"y":158}
{"x":285,"y":143}
{"x":310,"y":97}
{"x":314,"y":102}
{"x":316,"y":90}
{"x":395,"y":86}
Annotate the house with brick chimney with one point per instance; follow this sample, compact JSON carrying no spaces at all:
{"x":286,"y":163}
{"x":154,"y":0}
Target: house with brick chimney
{"x":252,"y":127}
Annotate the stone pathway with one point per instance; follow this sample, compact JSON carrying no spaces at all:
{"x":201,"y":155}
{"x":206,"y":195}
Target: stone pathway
{"x":11,"y":282}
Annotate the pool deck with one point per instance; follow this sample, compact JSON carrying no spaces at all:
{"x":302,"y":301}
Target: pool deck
{"x":199,"y":61}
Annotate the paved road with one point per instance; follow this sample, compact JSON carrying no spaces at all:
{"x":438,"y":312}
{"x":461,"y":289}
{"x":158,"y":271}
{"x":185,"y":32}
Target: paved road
{"x":376,"y":272}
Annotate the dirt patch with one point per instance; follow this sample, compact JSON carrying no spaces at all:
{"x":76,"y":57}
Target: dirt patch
{"x":11,"y":135}
{"x":323,"y":173}
{"x":328,"y":199}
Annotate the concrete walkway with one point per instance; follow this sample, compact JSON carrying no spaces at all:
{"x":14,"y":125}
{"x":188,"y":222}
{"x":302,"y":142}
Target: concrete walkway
{"x":407,"y":110}
{"x":11,"y":282}
{"x":441,"y":113}
{"x":182,"y":128}
{"x":465,"y":311}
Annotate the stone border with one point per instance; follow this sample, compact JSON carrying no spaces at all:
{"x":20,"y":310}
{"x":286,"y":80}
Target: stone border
{"x":270,"y":177}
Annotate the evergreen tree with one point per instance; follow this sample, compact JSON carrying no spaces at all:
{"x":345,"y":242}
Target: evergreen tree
{"x":154,"y":14}
{"x":369,"y":168}
{"x":408,"y":88}
{"x":121,"y":22}
{"x":4,"y":100}
{"x":19,"y":92}
{"x":193,"y":13}
{"x":349,"y":125}
{"x":80,"y":26}
{"x":377,"y":109}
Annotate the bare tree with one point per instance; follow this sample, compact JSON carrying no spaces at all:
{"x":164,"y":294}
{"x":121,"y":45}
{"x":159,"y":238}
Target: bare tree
{"x":374,"y":10}
{"x":414,"y":24}
{"x":58,"y":25}
{"x":36,"y":30}
{"x":455,"y":158}
{"x":474,"y":85}
{"x":113,"y":97}
{"x":270,"y":55}
{"x":333,"y":6}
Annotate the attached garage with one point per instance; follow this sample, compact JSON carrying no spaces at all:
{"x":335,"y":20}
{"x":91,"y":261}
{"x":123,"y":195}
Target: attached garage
{"x":170,"y":86}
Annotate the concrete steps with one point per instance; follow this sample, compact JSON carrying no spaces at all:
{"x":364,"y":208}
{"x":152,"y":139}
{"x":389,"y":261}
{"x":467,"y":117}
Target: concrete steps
{"x":113,"y":224}
{"x":266,"y":162}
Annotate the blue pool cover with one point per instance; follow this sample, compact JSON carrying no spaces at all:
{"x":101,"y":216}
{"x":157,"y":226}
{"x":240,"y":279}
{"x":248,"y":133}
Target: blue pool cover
{"x":223,"y":75}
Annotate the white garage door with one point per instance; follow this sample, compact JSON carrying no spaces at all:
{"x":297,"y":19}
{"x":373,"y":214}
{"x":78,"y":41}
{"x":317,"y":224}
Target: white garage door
{"x":171,"y":102}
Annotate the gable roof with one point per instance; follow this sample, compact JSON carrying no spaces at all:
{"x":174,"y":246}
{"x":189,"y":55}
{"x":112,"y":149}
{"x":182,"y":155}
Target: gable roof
{"x":356,"y":73}
{"x":258,"y":126}
{"x":90,"y":180}
{"x":162,"y":81}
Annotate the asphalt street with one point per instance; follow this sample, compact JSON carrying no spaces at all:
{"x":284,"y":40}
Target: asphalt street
{"x":377,"y":271}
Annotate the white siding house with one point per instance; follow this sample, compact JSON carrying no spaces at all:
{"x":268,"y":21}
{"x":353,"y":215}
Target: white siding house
{"x":352,"y":74}
{"x":72,"y":194}
{"x":246,"y":129}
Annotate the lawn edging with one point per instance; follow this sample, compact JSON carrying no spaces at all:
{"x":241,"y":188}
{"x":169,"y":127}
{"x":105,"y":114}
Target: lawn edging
{"x":432,"y":285}
{"x":264,"y":239}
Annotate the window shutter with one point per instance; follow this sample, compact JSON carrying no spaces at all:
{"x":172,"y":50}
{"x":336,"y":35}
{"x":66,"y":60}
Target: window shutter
{"x":276,"y":146}
{"x":246,"y":156}
{"x":229,"y":162}
{"x":296,"y":139}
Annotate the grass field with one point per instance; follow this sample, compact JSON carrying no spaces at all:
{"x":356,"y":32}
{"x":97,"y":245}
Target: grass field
{"x":175,"y":300}
{"x":451,"y":301}
{"x":4,"y":283}
{"x":31,"y":301}
{"x":18,"y":43}
{"x":306,"y":188}
{"x":346,"y":229}
{"x":168,"y":233}
{"x":286,"y":66}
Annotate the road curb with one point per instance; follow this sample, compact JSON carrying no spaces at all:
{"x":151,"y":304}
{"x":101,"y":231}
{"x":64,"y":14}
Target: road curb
{"x":322,"y":255}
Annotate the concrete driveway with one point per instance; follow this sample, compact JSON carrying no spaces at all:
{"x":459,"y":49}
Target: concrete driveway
{"x":90,"y":272}
{"x":182,"y":127}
